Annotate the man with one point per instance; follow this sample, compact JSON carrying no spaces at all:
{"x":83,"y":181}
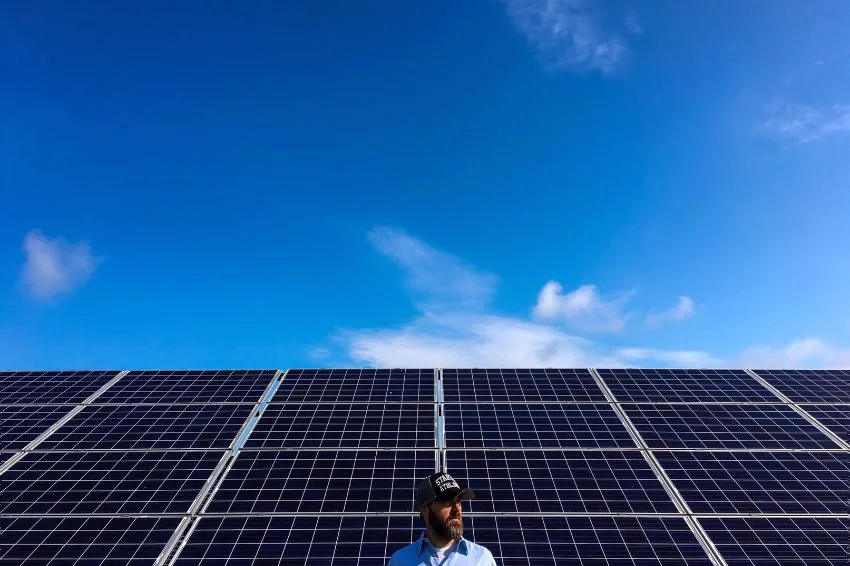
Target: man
{"x":438,"y":498}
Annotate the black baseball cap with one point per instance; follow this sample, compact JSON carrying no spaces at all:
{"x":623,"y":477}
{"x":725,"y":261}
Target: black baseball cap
{"x":441,"y":487}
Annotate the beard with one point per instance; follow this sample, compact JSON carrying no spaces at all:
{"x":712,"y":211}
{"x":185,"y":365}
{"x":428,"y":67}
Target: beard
{"x":451,"y":528}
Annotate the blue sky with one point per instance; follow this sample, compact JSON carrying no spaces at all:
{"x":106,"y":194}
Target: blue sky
{"x":484,"y":183}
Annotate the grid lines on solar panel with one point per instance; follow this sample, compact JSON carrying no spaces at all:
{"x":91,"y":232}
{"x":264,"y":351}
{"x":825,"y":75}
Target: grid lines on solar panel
{"x":51,"y":387}
{"x":342,"y":541}
{"x":810,"y":386}
{"x":834,"y":417}
{"x":617,"y":541}
{"x":62,"y":541}
{"x":357,"y":386}
{"x":520,"y":385}
{"x":134,"y":427}
{"x":760,"y":482}
{"x":305,"y":481}
{"x":684,"y":386}
{"x":549,"y":425}
{"x":201,"y":386}
{"x":350,"y":425}
{"x":21,"y":424}
{"x":780,"y":541}
{"x":725,"y":426}
{"x":105,"y":482}
{"x":559,"y":481}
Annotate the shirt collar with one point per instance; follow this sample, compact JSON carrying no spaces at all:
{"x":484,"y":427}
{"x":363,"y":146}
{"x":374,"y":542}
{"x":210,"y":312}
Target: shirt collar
{"x":462,"y":547}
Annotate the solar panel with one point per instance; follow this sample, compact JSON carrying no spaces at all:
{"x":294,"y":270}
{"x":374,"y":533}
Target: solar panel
{"x":105,"y":482}
{"x":780,"y":541}
{"x":519,"y":385}
{"x":479,"y":425}
{"x":679,"y":385}
{"x":311,"y":425}
{"x":298,"y":540}
{"x":357,"y":386}
{"x":725,"y":426}
{"x":21,"y":424}
{"x":545,"y":481}
{"x":811,"y":386}
{"x":617,"y":541}
{"x":835,"y":417}
{"x":761,"y":482}
{"x":129,"y":427}
{"x":224,"y":386}
{"x":305,"y":481}
{"x":62,"y":541}
{"x":51,"y":387}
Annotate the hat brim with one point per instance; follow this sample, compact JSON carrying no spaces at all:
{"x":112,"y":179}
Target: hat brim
{"x":462,"y":494}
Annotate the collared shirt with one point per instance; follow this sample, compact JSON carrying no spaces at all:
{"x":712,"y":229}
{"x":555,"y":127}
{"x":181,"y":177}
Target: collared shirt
{"x":423,"y":553}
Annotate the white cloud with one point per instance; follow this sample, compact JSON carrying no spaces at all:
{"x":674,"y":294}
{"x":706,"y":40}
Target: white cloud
{"x":808,"y":353}
{"x":319,"y":353}
{"x":566,"y":34}
{"x":582,"y":308}
{"x":803,"y":123}
{"x":683,"y":309}
{"x":633,"y":23}
{"x":55,"y":266}
{"x":673,"y":358}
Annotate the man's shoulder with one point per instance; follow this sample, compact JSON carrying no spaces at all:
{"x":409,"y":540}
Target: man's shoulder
{"x":479,"y":553}
{"x":404,"y":555}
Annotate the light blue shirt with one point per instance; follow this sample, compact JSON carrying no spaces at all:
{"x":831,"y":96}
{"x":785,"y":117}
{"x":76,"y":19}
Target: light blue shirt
{"x":423,"y":553}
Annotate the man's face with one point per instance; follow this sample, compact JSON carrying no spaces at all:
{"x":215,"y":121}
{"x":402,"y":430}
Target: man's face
{"x":446,"y":518}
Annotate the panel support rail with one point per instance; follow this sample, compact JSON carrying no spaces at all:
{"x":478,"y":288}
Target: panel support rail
{"x":55,"y":426}
{"x":187,"y":525}
{"x":678,"y":500}
{"x":439,"y":422}
{"x":799,"y":410}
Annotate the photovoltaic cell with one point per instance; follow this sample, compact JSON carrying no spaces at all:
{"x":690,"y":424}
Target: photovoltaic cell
{"x":618,"y":541}
{"x":835,"y":417}
{"x":105,"y":482}
{"x":63,"y":541}
{"x":51,"y":387}
{"x":341,"y":541}
{"x":21,"y":424}
{"x":810,"y":386}
{"x":127,"y":427}
{"x":350,"y":425}
{"x":780,"y":541}
{"x":519,"y":385}
{"x":761,"y":482}
{"x":357,"y":386}
{"x":511,"y":425}
{"x":725,"y":426}
{"x":680,"y":385}
{"x":307,"y":481}
{"x":224,"y":386}
{"x":559,"y":481}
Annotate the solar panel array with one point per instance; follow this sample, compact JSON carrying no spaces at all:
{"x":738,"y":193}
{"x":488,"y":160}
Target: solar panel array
{"x":256,"y":467}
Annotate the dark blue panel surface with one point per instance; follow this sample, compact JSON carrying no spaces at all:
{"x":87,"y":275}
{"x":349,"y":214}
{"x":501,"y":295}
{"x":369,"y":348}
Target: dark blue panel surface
{"x":835,"y":417}
{"x":811,"y":386}
{"x":519,"y":385}
{"x":125,"y":427}
{"x":63,"y":541}
{"x":311,"y":425}
{"x":761,"y":482}
{"x":180,"y":386}
{"x":357,"y":386}
{"x":725,"y":426}
{"x":105,"y":482}
{"x":684,"y":385}
{"x":20,"y":425}
{"x":51,"y":387}
{"x":559,"y":481}
{"x":549,"y":425}
{"x":780,"y":541}
{"x":307,"y":481}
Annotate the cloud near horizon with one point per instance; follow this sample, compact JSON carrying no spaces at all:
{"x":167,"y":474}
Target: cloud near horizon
{"x":54,"y":266}
{"x":582,"y":308}
{"x":684,"y":308}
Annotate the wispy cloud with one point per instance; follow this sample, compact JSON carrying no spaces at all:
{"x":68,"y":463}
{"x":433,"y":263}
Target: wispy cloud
{"x":582,"y":308}
{"x":675,"y":358}
{"x":804,"y":123}
{"x":683,"y":309}
{"x":808,"y":353}
{"x":567,"y":35}
{"x":54,"y":266}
